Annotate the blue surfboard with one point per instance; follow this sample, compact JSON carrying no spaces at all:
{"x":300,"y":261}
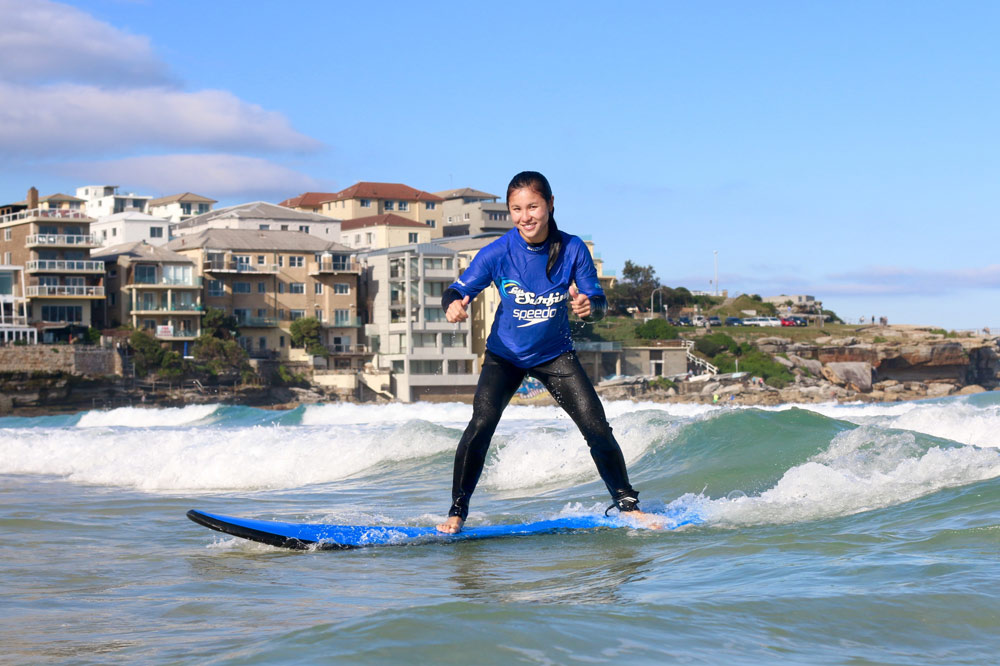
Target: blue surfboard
{"x":301,"y":536}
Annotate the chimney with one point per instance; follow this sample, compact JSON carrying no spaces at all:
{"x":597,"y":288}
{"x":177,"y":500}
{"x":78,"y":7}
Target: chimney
{"x":33,"y":198}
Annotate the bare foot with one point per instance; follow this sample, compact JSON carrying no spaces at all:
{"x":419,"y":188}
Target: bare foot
{"x":451,"y":526}
{"x":643,"y":519}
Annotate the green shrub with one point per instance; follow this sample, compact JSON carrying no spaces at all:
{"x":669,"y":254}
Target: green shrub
{"x":712,"y":345}
{"x":756,"y":363}
{"x":662,"y":383}
{"x":656,"y":329}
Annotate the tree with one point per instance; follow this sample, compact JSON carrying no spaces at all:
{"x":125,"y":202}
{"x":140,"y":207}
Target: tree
{"x":218,"y":324}
{"x":220,"y":358}
{"x":305,"y":333}
{"x":656,"y":329}
{"x":635,"y":286}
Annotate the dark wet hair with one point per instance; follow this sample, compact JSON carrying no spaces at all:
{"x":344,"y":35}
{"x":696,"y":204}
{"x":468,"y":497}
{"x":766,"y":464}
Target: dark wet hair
{"x":539,"y":183}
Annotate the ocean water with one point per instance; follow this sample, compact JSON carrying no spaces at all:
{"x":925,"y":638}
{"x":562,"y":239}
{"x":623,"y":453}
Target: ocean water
{"x":832,"y":534}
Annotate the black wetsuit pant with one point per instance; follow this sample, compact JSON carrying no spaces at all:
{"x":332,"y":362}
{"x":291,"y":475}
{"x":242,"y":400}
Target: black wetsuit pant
{"x":566,"y":380}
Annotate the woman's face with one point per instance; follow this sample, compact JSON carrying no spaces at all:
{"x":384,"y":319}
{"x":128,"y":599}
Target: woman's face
{"x":529,"y":211}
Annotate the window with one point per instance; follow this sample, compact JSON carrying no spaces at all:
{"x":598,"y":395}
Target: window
{"x":370,"y":237}
{"x":281,"y":260}
{"x":215,"y":288}
{"x":318,"y":314}
{"x":403,"y":206}
{"x":317,"y":287}
{"x":62,"y":313}
{"x":202,"y":208}
{"x":389,"y":205}
{"x":460,"y":367}
{"x":425,"y":367}
{"x":186,"y":208}
{"x":433,"y":314}
{"x":260,"y":259}
{"x":430,"y":205}
{"x":466,"y":216}
{"x":296,"y":262}
{"x":114,"y":231}
{"x":296,"y":314}
{"x":7,"y":259}
{"x":281,"y":287}
{"x":430,"y":223}
{"x":262,"y":313}
{"x":454,"y":340}
{"x":241,"y":288}
{"x":366,"y":203}
{"x":242,"y":315}
{"x":341,"y":317}
{"x":297,"y":288}
{"x":281,"y":314}
{"x":145,"y":274}
{"x":156,"y":232}
{"x":399,"y":367}
{"x":414,"y":237}
{"x":433,"y":288}
{"x":264,"y":227}
{"x":425,"y":339}
{"x":284,"y":227}
{"x":262,"y":343}
{"x":357,"y":239}
{"x":304,"y":228}
{"x":7,"y":234}
{"x":177,"y":274}
{"x":261,"y":287}
{"x":341,"y":288}
{"x":437,"y":263}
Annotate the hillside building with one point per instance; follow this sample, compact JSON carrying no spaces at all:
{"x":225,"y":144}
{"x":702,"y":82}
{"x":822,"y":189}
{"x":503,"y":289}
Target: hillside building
{"x":104,"y":200}
{"x":469,"y":212}
{"x":180,"y":207}
{"x":131,"y":227}
{"x":261,"y":216}
{"x":383,"y":231}
{"x":365,"y":199}
{"x":308,"y":202}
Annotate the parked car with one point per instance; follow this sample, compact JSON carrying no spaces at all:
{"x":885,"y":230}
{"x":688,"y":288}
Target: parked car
{"x":734,"y":321}
{"x":800,"y":321}
{"x":788,"y":321}
{"x":771,"y":321}
{"x":684,"y":321}
{"x":714,"y":321}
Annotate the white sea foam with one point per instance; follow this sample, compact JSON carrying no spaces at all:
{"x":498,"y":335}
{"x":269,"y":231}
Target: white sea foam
{"x":210,"y":458}
{"x":139,"y":417}
{"x":863,"y":469}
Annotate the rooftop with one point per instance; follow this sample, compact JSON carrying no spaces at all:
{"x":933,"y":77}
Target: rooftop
{"x":257,"y":210}
{"x":256,"y":240}
{"x":367,"y":190}
{"x":386,"y":220}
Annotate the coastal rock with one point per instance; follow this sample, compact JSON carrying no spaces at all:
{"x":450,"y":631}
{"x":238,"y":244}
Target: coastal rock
{"x":814,"y":367}
{"x":970,"y":389}
{"x":939,"y":390}
{"x":854,"y":353}
{"x":853,"y":375}
{"x":710,"y":388}
{"x":784,"y":361}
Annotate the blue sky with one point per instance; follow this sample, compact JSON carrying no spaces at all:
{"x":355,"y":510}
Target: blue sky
{"x":848,"y":150}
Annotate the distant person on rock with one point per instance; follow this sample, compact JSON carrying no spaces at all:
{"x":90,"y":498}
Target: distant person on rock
{"x":542,"y":273}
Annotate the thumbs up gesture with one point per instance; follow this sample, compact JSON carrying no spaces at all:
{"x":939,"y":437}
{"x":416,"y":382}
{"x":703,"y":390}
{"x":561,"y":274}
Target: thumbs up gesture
{"x":458,"y":311}
{"x":579,"y":303}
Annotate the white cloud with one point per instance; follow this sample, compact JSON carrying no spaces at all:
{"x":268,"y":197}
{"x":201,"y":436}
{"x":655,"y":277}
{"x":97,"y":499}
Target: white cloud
{"x":44,"y":42}
{"x":67,"y":119}
{"x":219,"y":176}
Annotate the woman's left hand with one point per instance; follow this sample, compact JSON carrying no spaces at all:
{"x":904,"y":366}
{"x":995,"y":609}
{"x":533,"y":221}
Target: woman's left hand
{"x":579,"y":303}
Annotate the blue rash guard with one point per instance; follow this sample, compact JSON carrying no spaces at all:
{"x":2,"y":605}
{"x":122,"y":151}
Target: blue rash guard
{"x":531,"y":325}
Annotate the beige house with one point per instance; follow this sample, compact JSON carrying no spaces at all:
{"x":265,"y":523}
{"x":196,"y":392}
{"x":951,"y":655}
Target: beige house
{"x":261,"y":216}
{"x":267,"y":279}
{"x":429,"y":358}
{"x":180,"y":207}
{"x":383,"y":231}
{"x":308,"y":202}
{"x":363,"y":200}
{"x":469,"y":212}
{"x":50,"y":238}
{"x":154,"y":290}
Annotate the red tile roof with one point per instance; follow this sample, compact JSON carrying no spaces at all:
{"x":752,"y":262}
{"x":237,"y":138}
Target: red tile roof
{"x":389,"y":220}
{"x":309,"y":199}
{"x":364,"y":190}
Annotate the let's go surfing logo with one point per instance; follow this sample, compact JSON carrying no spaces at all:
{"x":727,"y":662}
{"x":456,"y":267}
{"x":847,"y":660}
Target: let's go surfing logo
{"x":513,"y":290}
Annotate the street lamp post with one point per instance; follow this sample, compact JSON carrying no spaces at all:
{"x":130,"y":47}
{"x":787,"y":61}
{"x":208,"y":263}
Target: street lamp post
{"x":716,"y":253}
{"x":651,"y":295}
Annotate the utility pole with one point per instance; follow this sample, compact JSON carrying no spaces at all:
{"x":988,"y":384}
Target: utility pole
{"x":716,"y":253}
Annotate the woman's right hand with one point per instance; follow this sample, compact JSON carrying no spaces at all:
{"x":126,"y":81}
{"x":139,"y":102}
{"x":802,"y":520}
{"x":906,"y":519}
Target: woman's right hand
{"x":458,"y":311}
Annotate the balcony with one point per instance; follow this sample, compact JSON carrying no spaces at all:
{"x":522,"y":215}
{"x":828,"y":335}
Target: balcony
{"x":167,"y":283}
{"x":347,"y":349}
{"x":64,"y":266}
{"x":61,"y":240}
{"x":57,"y":213}
{"x":334,"y":267}
{"x":178,"y":309}
{"x":347,"y":322}
{"x":238,"y":267}
{"x":257,"y":322}
{"x":64,"y":291}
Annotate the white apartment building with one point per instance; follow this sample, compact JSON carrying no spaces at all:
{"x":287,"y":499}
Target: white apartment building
{"x":180,"y":207}
{"x":131,"y":227}
{"x":104,"y":200}
{"x":14,"y":306}
{"x":261,"y":216}
{"x":408,"y":334}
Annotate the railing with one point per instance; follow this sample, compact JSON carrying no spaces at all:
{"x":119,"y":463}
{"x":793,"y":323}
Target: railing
{"x":61,"y":239}
{"x":257,"y":322}
{"x":64,"y":290}
{"x":334,"y":267}
{"x":64,"y":265}
{"x":239,"y":267}
{"x":688,"y":344}
{"x":597,"y":346}
{"x":348,"y":349}
{"x":45,"y":212}
{"x":173,"y":308}
{"x":193,"y":282}
{"x":349,"y":322}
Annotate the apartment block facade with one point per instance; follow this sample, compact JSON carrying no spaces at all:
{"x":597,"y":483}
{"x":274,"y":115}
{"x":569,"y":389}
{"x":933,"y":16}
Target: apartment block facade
{"x":267,"y":279}
{"x":154,"y":290}
{"x":261,"y":216}
{"x":408,"y":334}
{"x":469,"y":212}
{"x":14,"y":307}
{"x":383,"y":231}
{"x":103,"y":200}
{"x":180,"y":207}
{"x":131,"y":227}
{"x":63,"y":286}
